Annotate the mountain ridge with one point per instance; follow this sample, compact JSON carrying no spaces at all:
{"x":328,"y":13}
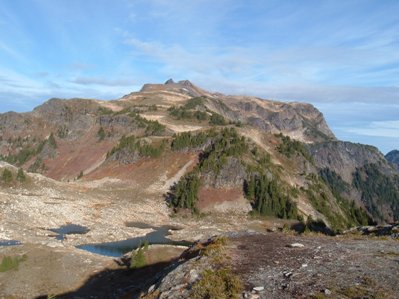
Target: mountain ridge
{"x":87,"y":139}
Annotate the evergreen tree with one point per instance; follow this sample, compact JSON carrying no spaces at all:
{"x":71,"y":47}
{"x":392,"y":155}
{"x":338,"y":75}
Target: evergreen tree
{"x":21,"y":175}
{"x":185,"y":193}
{"x":101,"y":134}
{"x":7,"y":175}
{"x":51,"y":141}
{"x":269,"y":199}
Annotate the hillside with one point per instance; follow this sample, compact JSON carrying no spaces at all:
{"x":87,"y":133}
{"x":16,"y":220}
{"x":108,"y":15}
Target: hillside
{"x":172,"y":163}
{"x":91,"y":139}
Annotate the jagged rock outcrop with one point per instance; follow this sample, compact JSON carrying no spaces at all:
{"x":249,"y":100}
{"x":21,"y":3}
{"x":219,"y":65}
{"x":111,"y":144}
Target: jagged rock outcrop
{"x":231,"y":175}
{"x":393,"y":158}
{"x":298,"y":120}
{"x":183,"y":86}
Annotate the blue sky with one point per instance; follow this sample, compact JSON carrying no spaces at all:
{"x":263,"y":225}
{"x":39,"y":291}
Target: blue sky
{"x":341,"y":56}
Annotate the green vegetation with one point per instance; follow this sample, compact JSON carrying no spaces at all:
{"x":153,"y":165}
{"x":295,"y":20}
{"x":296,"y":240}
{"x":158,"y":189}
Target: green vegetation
{"x":289,"y":147}
{"x":37,"y":166}
{"x":181,"y":113}
{"x":62,"y":132}
{"x":80,"y":175}
{"x":217,"y":284}
{"x":217,"y":120}
{"x":269,"y":198}
{"x":185,"y":193}
{"x":228,"y":143}
{"x":21,"y":177}
{"x":377,"y":189}
{"x":101,"y":134}
{"x":152,"y":127}
{"x":193,"y":103}
{"x":22,"y":156}
{"x":137,"y":259}
{"x":51,"y":141}
{"x":133,"y":144}
{"x":195,"y":109}
{"x":216,"y":250}
{"x":153,"y":108}
{"x":318,"y":195}
{"x":187,"y":140}
{"x":367,"y":288}
{"x":7,"y":176}
{"x":220,"y":281}
{"x":225,"y":145}
{"x":104,"y":111}
{"x":9,"y":262}
{"x":356,"y":215}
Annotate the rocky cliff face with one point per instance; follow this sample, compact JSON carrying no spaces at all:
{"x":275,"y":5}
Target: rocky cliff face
{"x":298,"y":120}
{"x":344,"y":157}
{"x":371,"y":180}
{"x":393,"y":158}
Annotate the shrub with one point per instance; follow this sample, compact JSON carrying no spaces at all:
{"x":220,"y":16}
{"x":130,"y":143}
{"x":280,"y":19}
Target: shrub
{"x":101,"y":134}
{"x":7,"y":176}
{"x":217,"y":284}
{"x":21,"y":175}
{"x":217,"y":120}
{"x":138,"y":260}
{"x":51,"y":141}
{"x":9,"y":263}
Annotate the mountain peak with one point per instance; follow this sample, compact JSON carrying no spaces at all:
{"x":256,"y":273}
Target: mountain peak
{"x":170,"y":81}
{"x":182,"y":86}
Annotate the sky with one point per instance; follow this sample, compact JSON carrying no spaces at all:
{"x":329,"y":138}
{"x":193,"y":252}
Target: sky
{"x":341,"y":56}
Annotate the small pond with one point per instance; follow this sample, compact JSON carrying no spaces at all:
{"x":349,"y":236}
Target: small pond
{"x":9,"y":242}
{"x":69,"y":229}
{"x":118,"y":248}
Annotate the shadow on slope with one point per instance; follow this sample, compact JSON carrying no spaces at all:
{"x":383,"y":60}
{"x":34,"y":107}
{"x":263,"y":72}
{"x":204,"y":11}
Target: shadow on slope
{"x":122,"y":282}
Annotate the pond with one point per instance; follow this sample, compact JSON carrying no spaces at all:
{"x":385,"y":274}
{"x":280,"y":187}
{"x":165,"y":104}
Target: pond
{"x":69,"y":229}
{"x":118,"y":248}
{"x":9,"y":242}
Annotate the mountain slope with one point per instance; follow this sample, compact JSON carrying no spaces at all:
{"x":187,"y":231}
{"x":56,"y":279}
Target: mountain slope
{"x":232,"y":153}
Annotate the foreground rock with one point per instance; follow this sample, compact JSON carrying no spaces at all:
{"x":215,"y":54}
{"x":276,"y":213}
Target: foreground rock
{"x":325,"y":266}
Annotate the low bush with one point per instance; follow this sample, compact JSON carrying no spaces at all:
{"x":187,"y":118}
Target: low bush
{"x":9,"y":262}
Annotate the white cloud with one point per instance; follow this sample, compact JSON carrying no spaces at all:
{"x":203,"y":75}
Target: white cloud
{"x":379,"y":129}
{"x":102,"y":81}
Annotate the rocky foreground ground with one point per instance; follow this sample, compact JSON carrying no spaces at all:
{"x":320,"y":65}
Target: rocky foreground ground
{"x":277,"y":265}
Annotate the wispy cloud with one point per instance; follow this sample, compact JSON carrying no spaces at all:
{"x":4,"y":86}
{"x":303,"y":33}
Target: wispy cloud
{"x":379,"y":129}
{"x":102,"y":81}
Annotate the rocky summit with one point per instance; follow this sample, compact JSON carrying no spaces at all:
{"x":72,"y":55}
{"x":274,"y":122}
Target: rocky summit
{"x":146,"y":196}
